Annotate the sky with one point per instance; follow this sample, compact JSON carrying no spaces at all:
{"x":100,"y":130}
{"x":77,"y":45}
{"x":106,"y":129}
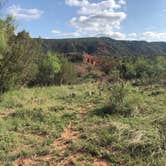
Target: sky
{"x":118,"y":19}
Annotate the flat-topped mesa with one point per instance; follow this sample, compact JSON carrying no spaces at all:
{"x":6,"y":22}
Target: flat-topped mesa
{"x":90,"y":59}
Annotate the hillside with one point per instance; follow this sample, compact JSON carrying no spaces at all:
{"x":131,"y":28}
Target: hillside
{"x":105,"y":46}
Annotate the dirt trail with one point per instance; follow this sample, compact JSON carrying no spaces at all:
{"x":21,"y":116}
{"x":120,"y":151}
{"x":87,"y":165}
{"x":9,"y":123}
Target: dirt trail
{"x":61,"y":144}
{"x":68,"y":135}
{"x":98,"y":162}
{"x":23,"y":162}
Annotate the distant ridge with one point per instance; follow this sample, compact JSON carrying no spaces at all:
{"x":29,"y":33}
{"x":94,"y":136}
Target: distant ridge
{"x":105,"y":46}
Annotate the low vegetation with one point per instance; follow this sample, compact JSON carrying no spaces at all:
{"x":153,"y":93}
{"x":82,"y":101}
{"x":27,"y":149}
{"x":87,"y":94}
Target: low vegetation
{"x":118,"y":125}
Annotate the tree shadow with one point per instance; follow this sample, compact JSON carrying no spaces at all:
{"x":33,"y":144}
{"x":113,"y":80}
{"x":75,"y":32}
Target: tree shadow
{"x":102,"y":111}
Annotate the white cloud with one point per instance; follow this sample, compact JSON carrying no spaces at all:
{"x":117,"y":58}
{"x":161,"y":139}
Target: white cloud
{"x":153,"y":36}
{"x":122,"y":2}
{"x":118,"y":36}
{"x":104,"y":18}
{"x":147,"y":36}
{"x":77,"y":2}
{"x":101,"y":18}
{"x":55,"y":31}
{"x":20,"y":13}
{"x":100,"y":7}
{"x":70,"y":34}
{"x":103,"y":23}
{"x":60,"y":34}
{"x":77,"y":34}
{"x":132,"y":36}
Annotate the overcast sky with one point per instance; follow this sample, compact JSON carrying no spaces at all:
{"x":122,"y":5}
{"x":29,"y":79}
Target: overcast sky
{"x":118,"y":19}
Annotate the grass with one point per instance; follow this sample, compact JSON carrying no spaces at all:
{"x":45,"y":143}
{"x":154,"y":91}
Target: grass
{"x":32,"y":119}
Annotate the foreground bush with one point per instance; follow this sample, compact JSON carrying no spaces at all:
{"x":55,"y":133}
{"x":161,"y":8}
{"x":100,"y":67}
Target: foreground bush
{"x":119,"y":101}
{"x":49,"y":65}
{"x":19,"y":55}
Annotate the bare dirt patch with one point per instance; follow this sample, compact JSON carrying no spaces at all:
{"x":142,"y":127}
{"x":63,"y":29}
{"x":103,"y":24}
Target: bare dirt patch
{"x":98,"y":162}
{"x":69,"y":134}
{"x":23,"y":162}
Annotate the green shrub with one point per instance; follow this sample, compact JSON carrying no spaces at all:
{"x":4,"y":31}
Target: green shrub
{"x":114,"y":75}
{"x":67,"y":74}
{"x":49,"y":66}
{"x":118,"y":103}
{"x":145,"y":70}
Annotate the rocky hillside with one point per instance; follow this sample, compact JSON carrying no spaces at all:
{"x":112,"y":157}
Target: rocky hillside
{"x":105,"y":46}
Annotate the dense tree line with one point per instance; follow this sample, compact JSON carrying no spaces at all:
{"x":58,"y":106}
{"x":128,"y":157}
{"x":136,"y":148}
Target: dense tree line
{"x":19,"y":56}
{"x":141,"y":70}
{"x":23,"y":62}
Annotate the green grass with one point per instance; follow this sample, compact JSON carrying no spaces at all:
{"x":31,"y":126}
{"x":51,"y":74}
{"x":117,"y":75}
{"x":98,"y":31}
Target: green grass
{"x":32,"y":119}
